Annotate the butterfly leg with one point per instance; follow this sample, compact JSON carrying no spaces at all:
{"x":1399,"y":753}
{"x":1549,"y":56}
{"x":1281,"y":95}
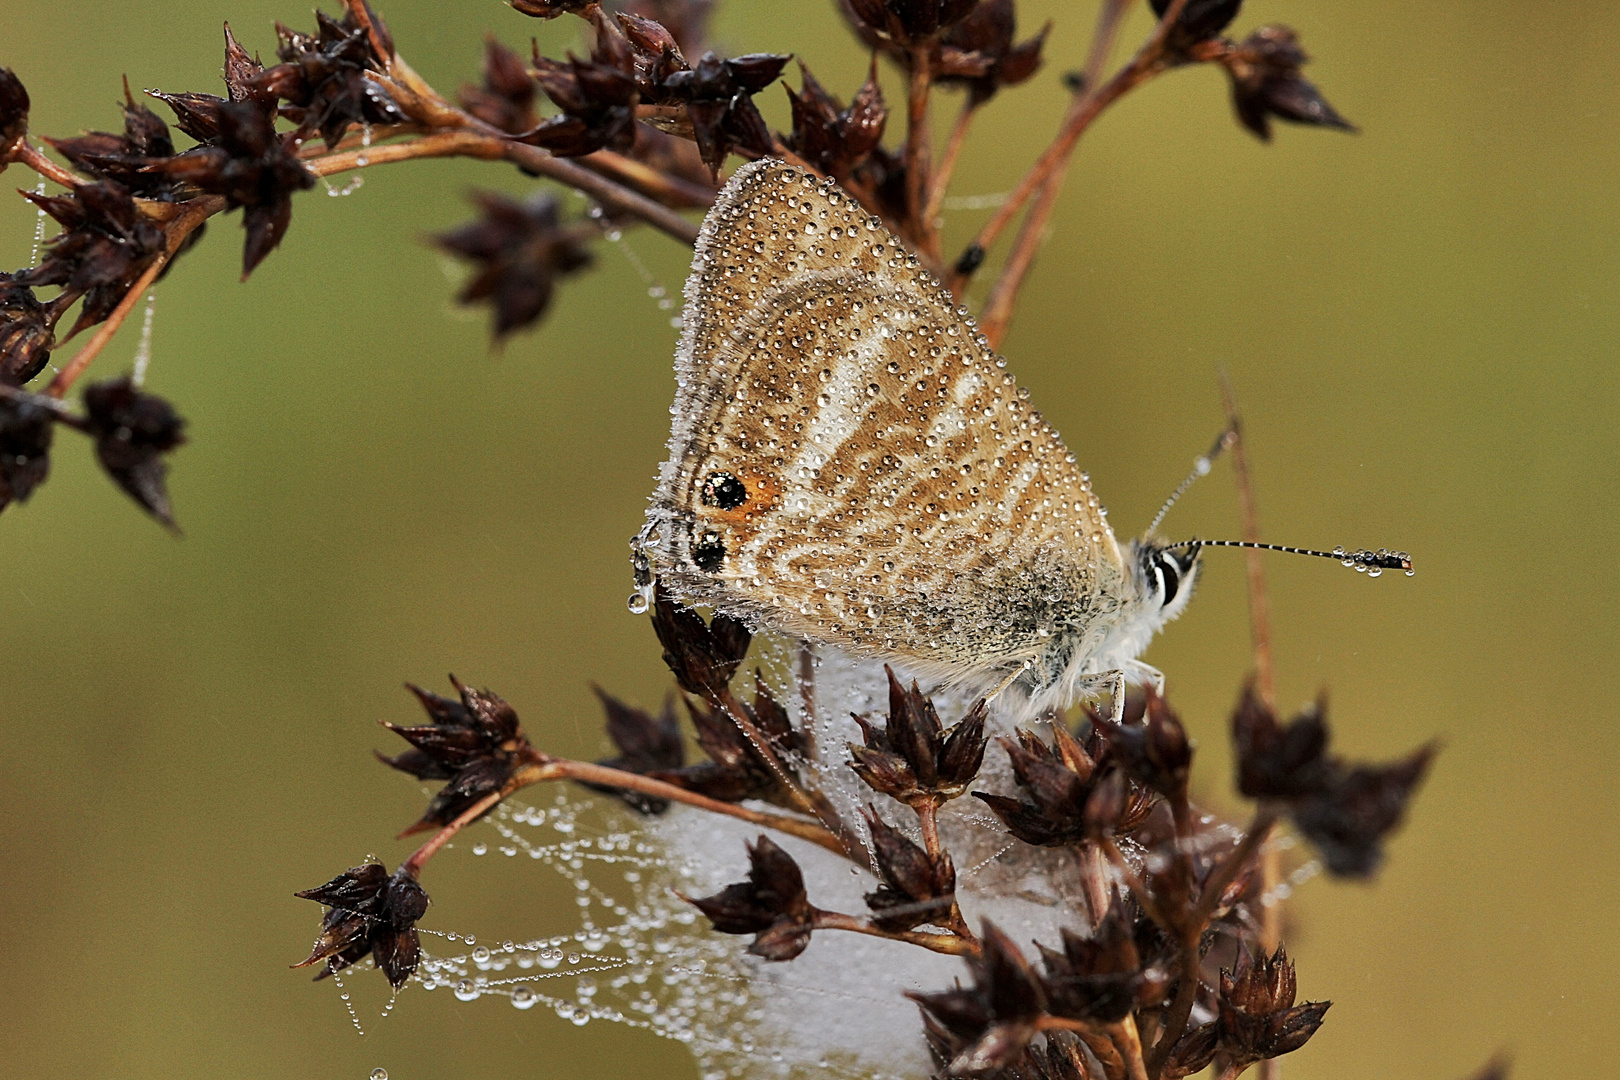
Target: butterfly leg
{"x":1017,"y":673}
{"x":1089,"y":685}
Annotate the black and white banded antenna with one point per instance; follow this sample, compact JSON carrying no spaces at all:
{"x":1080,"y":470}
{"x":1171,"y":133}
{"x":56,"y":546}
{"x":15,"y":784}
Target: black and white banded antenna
{"x":1371,"y":563}
{"x":1200,"y":467}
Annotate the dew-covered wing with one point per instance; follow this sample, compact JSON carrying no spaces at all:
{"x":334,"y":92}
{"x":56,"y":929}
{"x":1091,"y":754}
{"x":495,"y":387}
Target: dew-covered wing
{"x":849,"y":461}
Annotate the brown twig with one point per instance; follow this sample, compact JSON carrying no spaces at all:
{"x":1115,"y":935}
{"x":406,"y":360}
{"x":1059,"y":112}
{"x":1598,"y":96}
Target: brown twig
{"x":669,"y":190}
{"x":27,"y":154}
{"x":1109,"y":19}
{"x":198,"y":211}
{"x":413,"y":865}
{"x":919,"y":153}
{"x":1264,"y":669}
{"x":1136,"y":885}
{"x":951,"y":944}
{"x":544,"y":768}
{"x":1044,"y":178}
{"x":941,"y":180}
{"x":1259,"y":603}
{"x":1191,"y":933}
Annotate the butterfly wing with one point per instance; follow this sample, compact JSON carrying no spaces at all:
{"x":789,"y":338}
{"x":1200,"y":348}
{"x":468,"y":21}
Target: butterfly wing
{"x":849,"y":461}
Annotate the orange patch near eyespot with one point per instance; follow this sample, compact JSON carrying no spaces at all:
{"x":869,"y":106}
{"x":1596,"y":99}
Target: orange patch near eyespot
{"x":744,"y":520}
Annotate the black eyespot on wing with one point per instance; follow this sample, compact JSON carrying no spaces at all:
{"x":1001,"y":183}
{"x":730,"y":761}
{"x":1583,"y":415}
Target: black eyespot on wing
{"x":708,"y":553}
{"x":724,"y":491}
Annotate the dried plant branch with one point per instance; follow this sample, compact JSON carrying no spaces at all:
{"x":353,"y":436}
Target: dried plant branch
{"x":952,"y":944}
{"x":544,"y":767}
{"x":27,"y":154}
{"x":941,"y":181}
{"x":1044,"y":177}
{"x":919,"y":154}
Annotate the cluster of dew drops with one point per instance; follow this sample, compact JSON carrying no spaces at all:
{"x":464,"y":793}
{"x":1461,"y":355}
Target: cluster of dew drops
{"x":638,"y":958}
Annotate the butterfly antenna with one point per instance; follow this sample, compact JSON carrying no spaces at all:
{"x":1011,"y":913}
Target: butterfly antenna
{"x":1371,"y":563}
{"x":1200,"y":467}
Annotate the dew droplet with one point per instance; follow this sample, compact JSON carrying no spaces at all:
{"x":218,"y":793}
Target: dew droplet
{"x":523,"y":997}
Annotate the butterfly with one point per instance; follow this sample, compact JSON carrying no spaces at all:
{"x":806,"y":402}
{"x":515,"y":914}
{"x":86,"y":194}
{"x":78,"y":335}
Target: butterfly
{"x":851,"y":464}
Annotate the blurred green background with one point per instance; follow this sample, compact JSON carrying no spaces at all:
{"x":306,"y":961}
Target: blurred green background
{"x":1420,"y":322}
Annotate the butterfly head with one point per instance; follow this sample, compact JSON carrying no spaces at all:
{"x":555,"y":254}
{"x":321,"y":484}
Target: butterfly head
{"x":1164,"y":578}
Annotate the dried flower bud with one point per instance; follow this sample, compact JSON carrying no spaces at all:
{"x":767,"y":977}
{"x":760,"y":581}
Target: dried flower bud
{"x":474,"y":743}
{"x":13,"y":114}
{"x":1157,"y":753}
{"x":1348,"y":820}
{"x":597,"y":96}
{"x":369,"y":912}
{"x":522,"y":248}
{"x":1098,"y":978}
{"x":901,"y":24}
{"x":832,"y":138}
{"x":717,"y":94}
{"x":133,"y":430}
{"x":506,"y":100}
{"x":994,"y":1019}
{"x":1200,"y":20}
{"x":917,"y":887}
{"x":647,"y":744}
{"x":1257,"y":1016}
{"x":1266,"y":82}
{"x":913,"y":759}
{"x":771,"y":904}
{"x":252,"y":166}
{"x":322,"y":77}
{"x":1071,"y":798}
{"x":1276,"y":761}
{"x":979,"y":52}
{"x":26,"y":336}
{"x":126,"y":158}
{"x":25,"y":446}
{"x":106,"y":243}
{"x":1193,"y":1052}
{"x":1345,"y":811}
{"x":702,"y":657}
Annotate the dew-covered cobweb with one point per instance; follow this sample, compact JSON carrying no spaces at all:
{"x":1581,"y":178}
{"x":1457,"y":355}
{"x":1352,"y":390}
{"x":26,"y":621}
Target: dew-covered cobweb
{"x":633,"y":953}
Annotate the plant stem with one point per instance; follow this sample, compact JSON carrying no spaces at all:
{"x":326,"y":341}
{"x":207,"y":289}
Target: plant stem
{"x":544,"y":767}
{"x":1136,"y":885}
{"x":414,"y":864}
{"x":941,"y":180}
{"x":950,"y":944}
{"x":1190,"y":934}
{"x":1264,"y":668}
{"x":919,"y":153}
{"x":1044,"y":178}
{"x":27,"y":155}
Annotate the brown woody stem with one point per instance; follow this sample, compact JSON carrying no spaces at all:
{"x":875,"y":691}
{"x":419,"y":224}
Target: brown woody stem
{"x":26,"y":154}
{"x":1254,"y":561}
{"x":919,"y":153}
{"x":1136,"y":885}
{"x":421,"y":855}
{"x":543,"y":768}
{"x":951,"y":944}
{"x":1044,"y":178}
{"x":1191,"y":934}
{"x":1264,"y":669}
{"x":745,"y":724}
{"x":941,"y":180}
